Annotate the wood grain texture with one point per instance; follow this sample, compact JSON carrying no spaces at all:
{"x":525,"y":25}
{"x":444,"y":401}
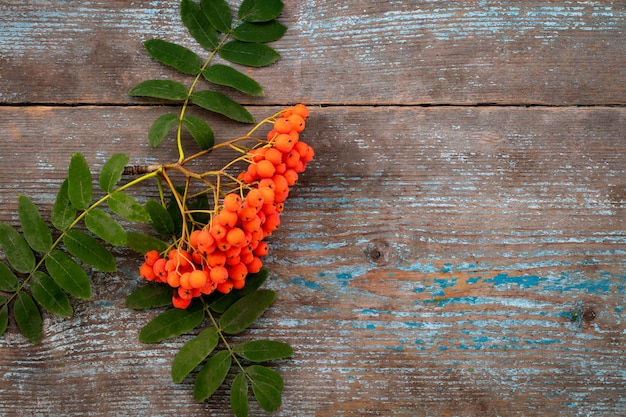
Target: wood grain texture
{"x":438,"y":258}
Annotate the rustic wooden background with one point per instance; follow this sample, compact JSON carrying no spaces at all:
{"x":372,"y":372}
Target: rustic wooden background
{"x":457,"y":248}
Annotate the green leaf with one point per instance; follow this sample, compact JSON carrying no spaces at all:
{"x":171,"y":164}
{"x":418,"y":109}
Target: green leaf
{"x":49,"y":295}
{"x":127,"y":208}
{"x":212,"y":375}
{"x":63,"y":213}
{"x":150,"y":296}
{"x":218,"y":13}
{"x":197,"y":24}
{"x":160,"y":128}
{"x":267,"y":385}
{"x":253,"y":282}
{"x":79,"y":187}
{"x":100,"y":223}
{"x":174,"y":211}
{"x":260,"y":10}
{"x":68,"y":274}
{"x":28,"y":317}
{"x":172,"y":323}
{"x":193,"y":353}
{"x":167,"y":89}
{"x":112,"y":172}
{"x":35,"y":229}
{"x":239,"y":395}
{"x":8,"y":280}
{"x":246,"y":311}
{"x":249,"y":53}
{"x":16,"y":250}
{"x":259,"y":32}
{"x":230,"y":77}
{"x":89,"y":250}
{"x":200,"y":131}
{"x":219,"y":103}
{"x":4,"y":315}
{"x":141,"y":243}
{"x":263,"y":350}
{"x":161,"y":219}
{"x":176,"y":56}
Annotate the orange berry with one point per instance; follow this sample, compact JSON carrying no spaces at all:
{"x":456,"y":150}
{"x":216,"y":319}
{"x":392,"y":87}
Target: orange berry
{"x":198,"y":278}
{"x":179,"y":302}
{"x":284,"y":142}
{"x":217,"y":230}
{"x":159,"y":269}
{"x":287,"y":112}
{"x":193,"y":238}
{"x":257,"y":235}
{"x":225,"y":287}
{"x":271,"y":223}
{"x":181,"y":257}
{"x":297,"y":122}
{"x":209,"y":287}
{"x":281,"y":183}
{"x":254,"y":199}
{"x":246,"y":212}
{"x":216,"y":259}
{"x":252,"y":224}
{"x":262,"y":249}
{"x":291,"y":158}
{"x":274,"y":156}
{"x":206,"y":242}
{"x":255,"y":265}
{"x":269,"y":208}
{"x":291,"y":176}
{"x":280,"y":197}
{"x":280,"y":207}
{"x":219,"y":274}
{"x":151,"y":257}
{"x":238,"y":272}
{"x":232,"y":202}
{"x":184,"y":280}
{"x":258,"y":154}
{"x":300,"y":167}
{"x":227,"y":218}
{"x":236,"y":236}
{"x":271,"y":135}
{"x":265,"y":169}
{"x":268,"y":194}
{"x":282,"y":125}
{"x":146,"y":272}
{"x":185,"y":293}
{"x":301,"y":110}
{"x":237,"y":285}
{"x":223,"y":245}
{"x":173,"y":279}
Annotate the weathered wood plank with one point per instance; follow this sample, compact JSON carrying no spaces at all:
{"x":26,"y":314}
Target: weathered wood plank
{"x":446,"y":261}
{"x":346,"y":52}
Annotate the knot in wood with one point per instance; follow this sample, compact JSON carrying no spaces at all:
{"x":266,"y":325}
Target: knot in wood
{"x":378,"y":251}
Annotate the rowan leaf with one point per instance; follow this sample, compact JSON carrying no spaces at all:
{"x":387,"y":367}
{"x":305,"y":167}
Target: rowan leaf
{"x":4,"y":315}
{"x":260,"y":10}
{"x":230,"y":77}
{"x":127,"y":208}
{"x":259,"y":32}
{"x":161,"y":219}
{"x":263,"y":350}
{"x":197,"y":24}
{"x":239,"y":395}
{"x":172,"y":323}
{"x":80,"y":188}
{"x":63,"y":213}
{"x":142,"y":243}
{"x":253,"y":282}
{"x":212,"y":375}
{"x":267,"y":386}
{"x":35,"y":230}
{"x":150,"y":296}
{"x":89,"y":250}
{"x":251,"y":54}
{"x":16,"y":250}
{"x":218,"y":13}
{"x":193,"y":353}
{"x":112,"y":171}
{"x":100,"y":223}
{"x":173,"y":55}
{"x":200,"y":131}
{"x":50,"y":295}
{"x":68,"y":274}
{"x":8,"y":280}
{"x":160,"y":128}
{"x":28,"y":317}
{"x":245,"y":311}
{"x":219,"y":103}
{"x":166,"y":89}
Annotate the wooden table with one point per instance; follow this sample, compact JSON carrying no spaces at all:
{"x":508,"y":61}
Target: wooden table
{"x":457,"y":248}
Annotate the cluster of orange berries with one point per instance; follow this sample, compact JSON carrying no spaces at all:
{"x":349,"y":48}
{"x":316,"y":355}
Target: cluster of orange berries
{"x":221,"y":255}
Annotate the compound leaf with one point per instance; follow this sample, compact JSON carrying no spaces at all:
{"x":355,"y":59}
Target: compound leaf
{"x":100,"y":223}
{"x":176,"y":56}
{"x":28,"y":317}
{"x":141,"y":243}
{"x":260,"y":10}
{"x":218,"y":13}
{"x":35,"y":229}
{"x":253,"y":282}
{"x":219,"y":103}
{"x":239,"y":395}
{"x":161,"y":219}
{"x":16,"y":250}
{"x":68,"y":274}
{"x":250,"y":54}
{"x":80,"y":188}
{"x":197,"y":24}
{"x":267,"y":386}
{"x":212,"y":375}
{"x":89,"y":250}
{"x":160,"y":128}
{"x":245,"y":311}
{"x":263,"y":350}
{"x":126,"y":207}
{"x":167,"y":89}
{"x":200,"y":131}
{"x":230,"y":77}
{"x":8,"y":280}
{"x":112,"y":172}
{"x":172,"y":323}
{"x":4,"y":315}
{"x":149,"y":296}
{"x":63,"y":213}
{"x":193,"y":353}
{"x":50,"y":295}
{"x":259,"y":32}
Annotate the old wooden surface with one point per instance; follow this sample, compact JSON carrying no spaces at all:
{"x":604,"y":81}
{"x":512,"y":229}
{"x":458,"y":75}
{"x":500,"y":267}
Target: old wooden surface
{"x":457,"y":248}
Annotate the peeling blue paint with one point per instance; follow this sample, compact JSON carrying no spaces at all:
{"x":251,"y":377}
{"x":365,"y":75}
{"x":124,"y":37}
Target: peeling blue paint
{"x":301,"y":281}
